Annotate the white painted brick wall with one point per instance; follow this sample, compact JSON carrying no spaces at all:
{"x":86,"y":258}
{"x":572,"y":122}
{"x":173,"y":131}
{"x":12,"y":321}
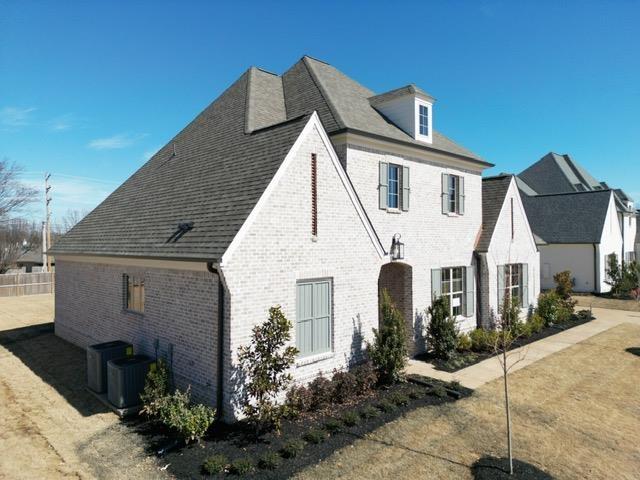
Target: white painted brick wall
{"x":432,"y":239}
{"x":278,"y":250}
{"x":180,"y":309}
{"x":504,"y":250}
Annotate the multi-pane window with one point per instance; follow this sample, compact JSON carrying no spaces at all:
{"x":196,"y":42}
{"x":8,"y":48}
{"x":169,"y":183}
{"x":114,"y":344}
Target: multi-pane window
{"x":394,"y":186}
{"x":513,"y":281}
{"x":134,"y":293}
{"x":423,"y":117}
{"x":454,"y":186}
{"x":452,"y":287}
{"x":313,"y":317}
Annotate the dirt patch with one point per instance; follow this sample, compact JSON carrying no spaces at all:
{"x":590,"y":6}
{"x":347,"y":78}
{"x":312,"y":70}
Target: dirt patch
{"x":50,"y":427}
{"x":575,"y":415}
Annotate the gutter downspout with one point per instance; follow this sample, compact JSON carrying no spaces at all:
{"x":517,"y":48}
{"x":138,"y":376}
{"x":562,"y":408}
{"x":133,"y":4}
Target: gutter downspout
{"x":596,"y":285}
{"x":480,"y":313}
{"x":220,"y":365}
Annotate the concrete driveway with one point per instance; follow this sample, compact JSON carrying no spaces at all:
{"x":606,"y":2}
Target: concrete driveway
{"x":50,"y":427}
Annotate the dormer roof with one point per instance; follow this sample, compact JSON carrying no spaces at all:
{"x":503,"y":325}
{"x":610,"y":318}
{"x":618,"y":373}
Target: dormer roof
{"x":407,"y":90}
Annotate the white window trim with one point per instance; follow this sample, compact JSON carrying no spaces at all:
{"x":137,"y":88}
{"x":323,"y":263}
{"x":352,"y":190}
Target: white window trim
{"x":397,"y":166}
{"x":508,"y":274}
{"x":418,"y":135}
{"x":451,"y":293}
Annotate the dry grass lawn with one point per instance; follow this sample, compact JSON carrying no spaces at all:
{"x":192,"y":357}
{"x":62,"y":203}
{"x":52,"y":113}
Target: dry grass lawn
{"x":576,"y":414}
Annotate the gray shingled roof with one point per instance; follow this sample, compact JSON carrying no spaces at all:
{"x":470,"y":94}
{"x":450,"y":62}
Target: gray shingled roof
{"x":33,"y":255}
{"x":494,"y":191}
{"x":569,"y":217}
{"x":343,"y":104}
{"x":410,"y":89}
{"x":214,"y":180}
{"x":223,"y":161}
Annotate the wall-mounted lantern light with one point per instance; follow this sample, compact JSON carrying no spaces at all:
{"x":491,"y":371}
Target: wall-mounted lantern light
{"x":397,"y":248}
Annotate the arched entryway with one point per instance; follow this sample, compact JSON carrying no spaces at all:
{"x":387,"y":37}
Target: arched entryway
{"x":397,"y":279}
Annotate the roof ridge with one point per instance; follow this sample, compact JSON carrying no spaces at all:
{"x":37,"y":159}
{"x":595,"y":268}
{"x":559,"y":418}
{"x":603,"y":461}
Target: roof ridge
{"x":571,"y":193}
{"x":334,"y":112}
{"x":247,"y":93}
{"x":284,"y":122}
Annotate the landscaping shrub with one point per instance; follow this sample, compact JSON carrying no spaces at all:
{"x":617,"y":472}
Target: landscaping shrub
{"x":366,"y":376}
{"x":333,"y":425}
{"x":388,"y":352}
{"x":564,"y":284}
{"x":350,"y":419}
{"x":215,"y":464}
{"x":548,"y":306}
{"x":369,"y":412}
{"x":241,"y":466}
{"x":463,"y":343}
{"x":442,"y":333}
{"x":156,"y":388}
{"x":386,"y":406}
{"x":314,"y":436}
{"x":345,"y":386}
{"x":265,"y":363}
{"x":322,"y":391}
{"x":439,"y":391}
{"x":292,"y":448}
{"x":483,"y":340}
{"x":190,"y":422}
{"x":399,"y":399}
{"x":454,"y":385}
{"x":414,"y":393}
{"x":299,"y":399}
{"x":269,"y":461}
{"x":535,"y":323}
{"x":584,"y":315}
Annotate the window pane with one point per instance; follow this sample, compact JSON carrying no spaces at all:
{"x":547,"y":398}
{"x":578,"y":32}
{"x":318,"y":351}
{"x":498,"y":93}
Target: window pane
{"x":393,"y":186}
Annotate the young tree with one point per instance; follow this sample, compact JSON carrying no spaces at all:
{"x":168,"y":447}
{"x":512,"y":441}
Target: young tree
{"x":388,"y":352}
{"x":266,"y":362}
{"x":506,"y":328}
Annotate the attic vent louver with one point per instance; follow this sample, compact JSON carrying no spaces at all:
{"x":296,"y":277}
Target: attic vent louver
{"x":181,"y":230}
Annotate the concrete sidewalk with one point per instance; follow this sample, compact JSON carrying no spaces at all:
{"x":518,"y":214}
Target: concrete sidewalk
{"x":477,"y":375}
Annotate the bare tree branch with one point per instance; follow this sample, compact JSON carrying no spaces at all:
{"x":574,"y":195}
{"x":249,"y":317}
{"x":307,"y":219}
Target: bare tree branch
{"x":13,"y":193}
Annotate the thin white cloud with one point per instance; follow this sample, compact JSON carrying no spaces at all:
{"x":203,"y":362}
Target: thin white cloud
{"x":15,"y":117}
{"x":61,"y":123}
{"x":121,"y":140}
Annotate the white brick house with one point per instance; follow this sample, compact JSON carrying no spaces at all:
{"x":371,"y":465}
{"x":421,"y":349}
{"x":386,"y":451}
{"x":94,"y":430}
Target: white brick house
{"x":287,"y":190}
{"x":507,"y":254}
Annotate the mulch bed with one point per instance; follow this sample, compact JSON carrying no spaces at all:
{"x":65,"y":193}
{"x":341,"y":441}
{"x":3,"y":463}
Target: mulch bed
{"x":236,"y":441}
{"x":466,"y":359}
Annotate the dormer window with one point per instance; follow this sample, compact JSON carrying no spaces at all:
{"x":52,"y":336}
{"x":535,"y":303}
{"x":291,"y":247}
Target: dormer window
{"x":423,"y":116}
{"x":410,"y":109}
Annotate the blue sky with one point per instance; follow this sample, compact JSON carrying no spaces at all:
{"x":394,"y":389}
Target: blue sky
{"x":89,"y":90}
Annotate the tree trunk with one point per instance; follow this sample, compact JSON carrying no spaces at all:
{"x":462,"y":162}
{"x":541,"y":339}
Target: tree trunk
{"x":506,"y":402}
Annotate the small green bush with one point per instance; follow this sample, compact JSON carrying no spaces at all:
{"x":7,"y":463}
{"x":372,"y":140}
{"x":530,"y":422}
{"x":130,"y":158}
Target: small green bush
{"x":189,"y":421}
{"x":483,"y":340}
{"x":564,"y":284}
{"x":442,"y":332}
{"x":322,"y":392}
{"x":548,"y":306}
{"x":156,"y":388}
{"x":366,"y":376}
{"x":369,"y":412}
{"x":299,"y":399}
{"x":350,"y":419}
{"x":386,"y":406}
{"x":388,"y":352}
{"x":345,"y":386}
{"x":439,"y":391}
{"x":535,"y":323}
{"x":292,"y":448}
{"x":414,"y":393}
{"x":399,"y":399}
{"x":463,"y":343}
{"x":584,"y":315}
{"x":269,"y":461}
{"x":455,"y":385}
{"x":215,"y":464}
{"x":314,"y":436}
{"x":241,"y":466}
{"x":333,"y":425}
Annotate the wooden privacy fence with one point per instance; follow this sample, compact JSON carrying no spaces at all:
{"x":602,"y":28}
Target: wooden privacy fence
{"x":17,"y":284}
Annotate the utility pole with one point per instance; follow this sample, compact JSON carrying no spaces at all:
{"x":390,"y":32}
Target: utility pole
{"x":47,"y":198}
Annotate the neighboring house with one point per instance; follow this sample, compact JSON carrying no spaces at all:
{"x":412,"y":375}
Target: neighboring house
{"x":637,"y":241}
{"x":576,"y":232}
{"x":555,"y":173}
{"x":305,"y":190}
{"x":508,"y":259}
{"x":32,"y":261}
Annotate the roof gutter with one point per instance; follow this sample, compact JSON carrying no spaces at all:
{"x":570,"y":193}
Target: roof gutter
{"x":220,"y":363}
{"x":413,"y":145}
